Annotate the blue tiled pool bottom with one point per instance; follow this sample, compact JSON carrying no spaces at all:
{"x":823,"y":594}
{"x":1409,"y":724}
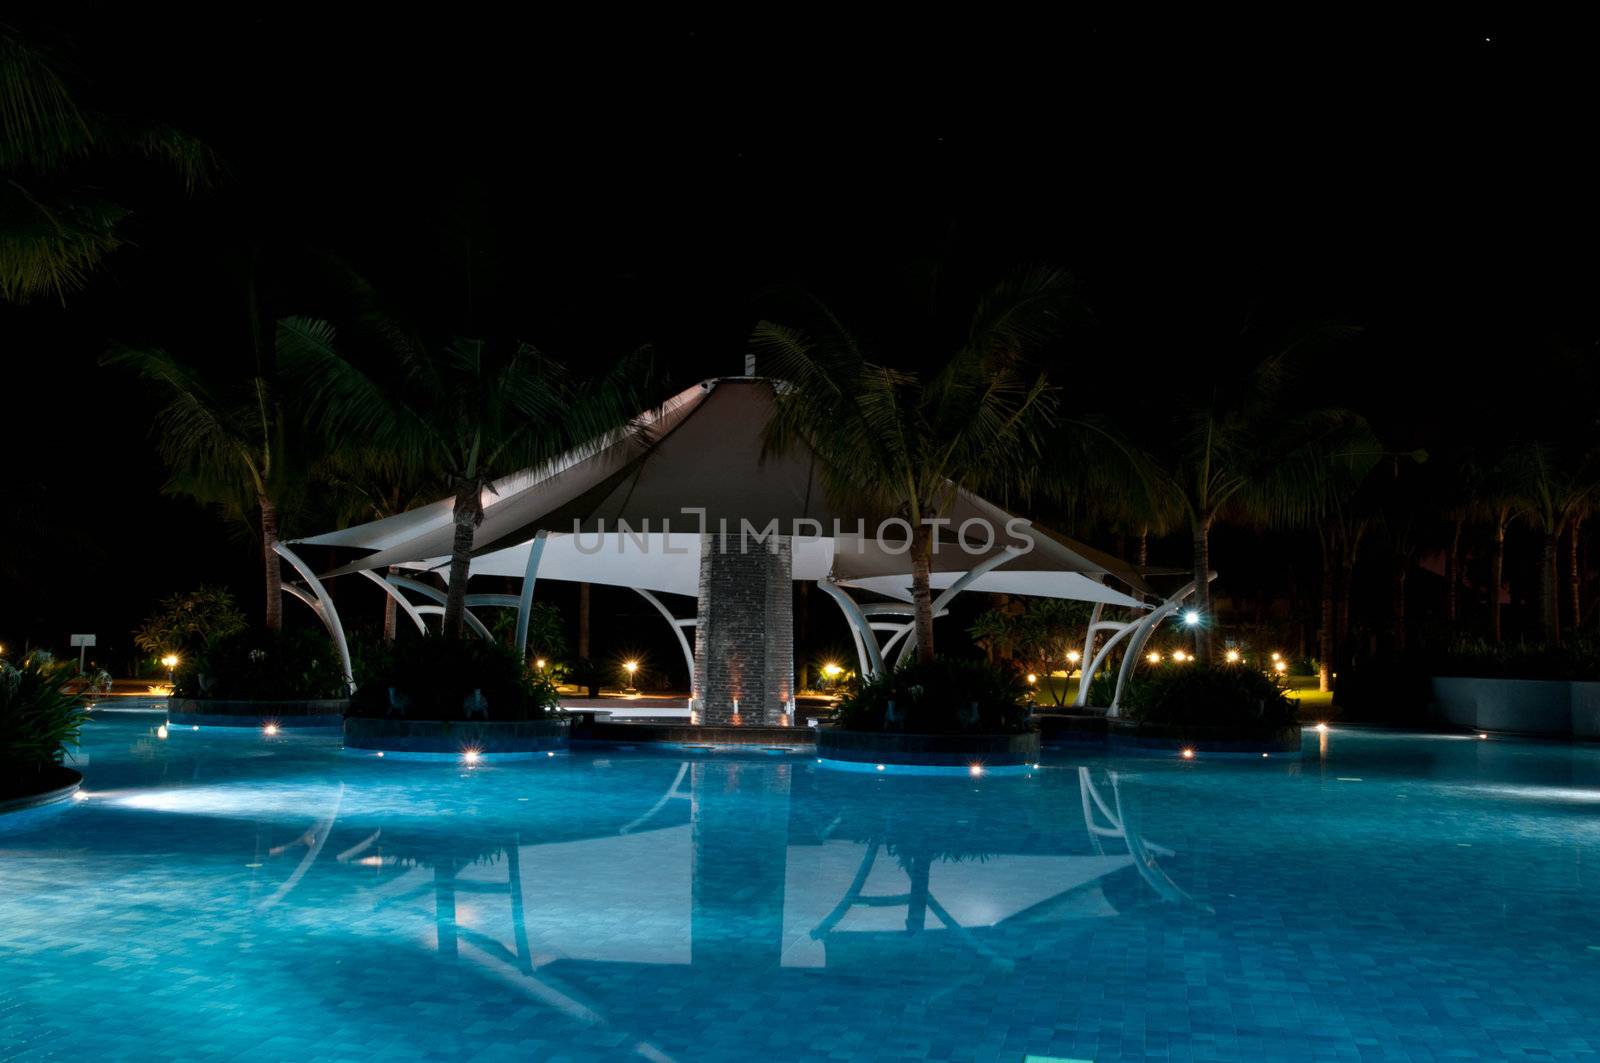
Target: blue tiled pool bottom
{"x":244,"y":897}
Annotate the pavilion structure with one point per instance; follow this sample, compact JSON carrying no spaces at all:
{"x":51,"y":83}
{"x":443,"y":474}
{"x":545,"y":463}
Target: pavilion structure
{"x":690,"y":501}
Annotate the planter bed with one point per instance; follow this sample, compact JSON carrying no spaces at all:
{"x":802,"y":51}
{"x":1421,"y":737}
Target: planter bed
{"x":58,"y":784}
{"x":1071,"y":728}
{"x":617,"y":733}
{"x":455,"y":736}
{"x":953,"y":752}
{"x":1131,"y":734}
{"x":219,"y":712}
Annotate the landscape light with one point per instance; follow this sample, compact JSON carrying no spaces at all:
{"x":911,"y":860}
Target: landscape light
{"x":1153,"y":657}
{"x":1280,"y":666}
{"x":1233,"y":656}
{"x":831,"y":670}
{"x":1032,"y":678}
{"x":1191,"y":618}
{"x":630,"y":666}
{"x":1322,"y":728}
{"x":1276,"y":656}
{"x":1073,"y":656}
{"x":1179,"y":656}
{"x":170,"y":660}
{"x":539,"y":664}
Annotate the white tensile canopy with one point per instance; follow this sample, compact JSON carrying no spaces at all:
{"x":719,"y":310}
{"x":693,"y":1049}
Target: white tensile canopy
{"x":629,"y":511}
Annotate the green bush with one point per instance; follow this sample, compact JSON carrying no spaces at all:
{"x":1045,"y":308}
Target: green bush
{"x":1577,"y":658}
{"x":1227,"y":695}
{"x":39,"y":720}
{"x":432,"y":678}
{"x":262,"y":666}
{"x":946,"y":696}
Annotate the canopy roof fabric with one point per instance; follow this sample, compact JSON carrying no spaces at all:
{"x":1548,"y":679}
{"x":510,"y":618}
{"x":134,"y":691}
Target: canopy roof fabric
{"x":629,"y":511}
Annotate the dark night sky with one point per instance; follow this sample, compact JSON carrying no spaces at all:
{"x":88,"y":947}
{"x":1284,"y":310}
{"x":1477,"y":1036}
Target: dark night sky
{"x":633,"y":182}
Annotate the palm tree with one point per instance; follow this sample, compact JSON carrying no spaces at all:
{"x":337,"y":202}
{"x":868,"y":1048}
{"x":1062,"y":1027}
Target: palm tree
{"x":56,"y":222}
{"x":225,"y":447}
{"x":1243,"y":446}
{"x":369,"y":484}
{"x":1555,"y":487}
{"x":904,"y":443}
{"x":463,"y":414}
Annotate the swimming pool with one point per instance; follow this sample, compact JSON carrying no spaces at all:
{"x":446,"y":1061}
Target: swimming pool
{"x":229,"y":895}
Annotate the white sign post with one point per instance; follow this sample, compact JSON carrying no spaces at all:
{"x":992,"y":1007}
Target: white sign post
{"x":83,"y":642}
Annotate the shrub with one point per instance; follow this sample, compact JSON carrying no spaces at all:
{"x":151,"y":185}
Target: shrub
{"x":1229,"y":695}
{"x":1578,"y":658}
{"x":946,"y":696}
{"x":39,"y":720}
{"x":186,"y":622}
{"x":259,"y":665}
{"x":432,"y":678}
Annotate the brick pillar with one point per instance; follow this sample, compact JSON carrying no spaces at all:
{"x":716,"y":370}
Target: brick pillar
{"x":744,"y":637}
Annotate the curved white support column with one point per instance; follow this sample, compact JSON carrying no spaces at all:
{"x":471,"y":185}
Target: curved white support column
{"x":866,"y":641}
{"x":402,"y":600}
{"x":473,"y":622}
{"x":1091,"y":669}
{"x":530,"y":575}
{"x":982,"y":568}
{"x":436,"y":595}
{"x":677,"y":629}
{"x":1141,"y":635}
{"x":329,"y":615}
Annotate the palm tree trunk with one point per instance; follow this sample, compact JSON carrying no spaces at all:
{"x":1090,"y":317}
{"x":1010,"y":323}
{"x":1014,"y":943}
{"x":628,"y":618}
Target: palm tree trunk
{"x":921,"y":593}
{"x":1452,"y":573}
{"x":1202,"y":590}
{"x":269,"y":562}
{"x":1325,"y":647}
{"x":468,"y":512}
{"x":1497,"y":567}
{"x":583,"y":621}
{"x":1548,"y":624}
{"x":1574,"y":582}
{"x":391,"y":614}
{"x":1399,"y":603}
{"x":1141,"y":547}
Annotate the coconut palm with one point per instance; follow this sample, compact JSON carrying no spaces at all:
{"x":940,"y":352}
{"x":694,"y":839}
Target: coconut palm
{"x":463,"y":414}
{"x":904,"y":442}
{"x":1243,"y":445}
{"x":226,"y":445}
{"x":1555,"y":487}
{"x":57,"y":223}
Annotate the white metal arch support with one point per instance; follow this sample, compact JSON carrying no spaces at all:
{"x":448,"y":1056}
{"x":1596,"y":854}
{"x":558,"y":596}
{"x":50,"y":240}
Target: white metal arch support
{"x":435,"y":594}
{"x":1141,"y":635}
{"x":330,"y":615}
{"x":405,"y":603}
{"x":473,"y":622}
{"x":866,"y":641}
{"x":977,"y":571}
{"x":530,"y":576}
{"x":1092,"y":667}
{"x":677,"y":629}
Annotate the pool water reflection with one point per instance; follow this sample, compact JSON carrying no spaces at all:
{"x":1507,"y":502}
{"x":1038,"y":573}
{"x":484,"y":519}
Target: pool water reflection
{"x":229,"y":894}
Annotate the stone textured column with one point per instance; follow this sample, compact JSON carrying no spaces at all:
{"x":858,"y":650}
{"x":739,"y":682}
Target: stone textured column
{"x":744,"y":635}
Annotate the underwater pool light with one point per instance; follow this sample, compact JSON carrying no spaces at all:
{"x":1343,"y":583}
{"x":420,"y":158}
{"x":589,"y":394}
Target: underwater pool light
{"x":880,"y":767}
{"x":270,"y":729}
{"x":471,"y":755}
{"x":1187,"y":754}
{"x":976,"y":770}
{"x":1322,"y":728}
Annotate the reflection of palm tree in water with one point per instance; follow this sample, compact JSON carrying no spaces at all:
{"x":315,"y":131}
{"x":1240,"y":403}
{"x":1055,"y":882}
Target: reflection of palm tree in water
{"x":918,"y":847}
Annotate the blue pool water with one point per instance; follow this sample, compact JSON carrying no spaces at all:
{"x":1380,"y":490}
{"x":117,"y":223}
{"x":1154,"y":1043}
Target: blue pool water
{"x":231,"y":896}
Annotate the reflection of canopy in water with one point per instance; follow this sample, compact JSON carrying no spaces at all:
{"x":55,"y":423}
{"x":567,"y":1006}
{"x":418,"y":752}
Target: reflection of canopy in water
{"x":629,"y":510}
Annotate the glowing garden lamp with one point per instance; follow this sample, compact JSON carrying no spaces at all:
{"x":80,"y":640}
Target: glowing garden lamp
{"x":1191,"y":618}
{"x":1280,"y":666}
{"x":831,"y":672}
{"x":170,"y":662}
{"x":1233,"y":656}
{"x":1153,"y":657}
{"x":632,"y":668}
{"x":1179,"y":656}
{"x":1073,"y":656}
{"x":540,"y":663}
